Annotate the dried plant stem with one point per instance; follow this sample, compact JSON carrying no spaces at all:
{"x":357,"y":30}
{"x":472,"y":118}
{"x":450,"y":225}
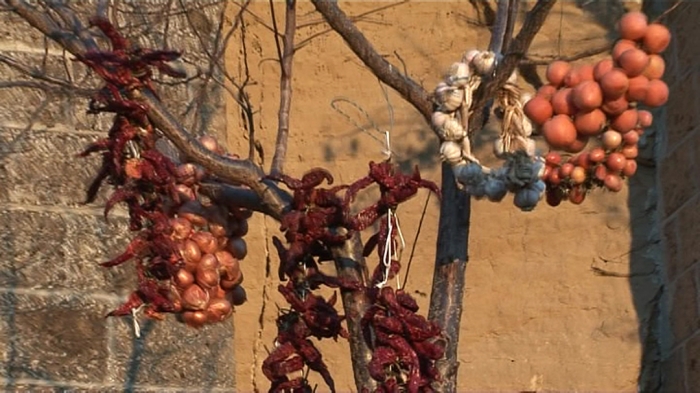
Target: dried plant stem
{"x":286,"y":56}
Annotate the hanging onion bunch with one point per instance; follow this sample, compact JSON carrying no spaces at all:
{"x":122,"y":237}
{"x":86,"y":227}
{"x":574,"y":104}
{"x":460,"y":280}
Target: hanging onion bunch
{"x":592,"y":112}
{"x":523,"y":168}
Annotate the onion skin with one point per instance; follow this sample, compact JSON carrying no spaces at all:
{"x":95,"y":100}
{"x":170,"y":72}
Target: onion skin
{"x":590,"y":123}
{"x":556,"y":72}
{"x":656,"y":67}
{"x":613,"y":183}
{"x":218,"y":230}
{"x":573,"y":77}
{"x":546,"y":91}
{"x":615,"y":162}
{"x":219,"y":310}
{"x":601,"y":68}
{"x":638,"y":87}
{"x":614,"y":83}
{"x":554,"y":178}
{"x":578,"y":175}
{"x":577,"y":195}
{"x":207,"y":278}
{"x":195,"y":319}
{"x":190,"y":252}
{"x":633,"y":25}
{"x":630,"y":151}
{"x":562,"y":102}
{"x":585,"y":71}
{"x":186,"y":174}
{"x":615,"y":107}
{"x":183,"y":278}
{"x":657,"y":93}
{"x":578,"y":145}
{"x":539,"y":110}
{"x":565,"y":170}
{"x":611,"y":139}
{"x":596,"y":155}
{"x":645,"y":118}
{"x":553,"y":158}
{"x":634,"y":62}
{"x":206,"y":242}
{"x":194,"y":212}
{"x":181,"y":228}
{"x":195,"y":298}
{"x":587,"y":96}
{"x":630,"y":138}
{"x":559,"y":132}
{"x":656,"y":38}
{"x":601,"y":172}
{"x":209,"y":262}
{"x":625,"y":122}
{"x":229,"y":267}
{"x":630,"y":168}
{"x":621,"y":46}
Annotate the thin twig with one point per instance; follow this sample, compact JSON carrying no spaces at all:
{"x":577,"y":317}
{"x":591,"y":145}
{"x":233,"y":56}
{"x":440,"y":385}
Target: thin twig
{"x":415,"y":240}
{"x":385,"y":71}
{"x":546,"y":59}
{"x":286,"y":60}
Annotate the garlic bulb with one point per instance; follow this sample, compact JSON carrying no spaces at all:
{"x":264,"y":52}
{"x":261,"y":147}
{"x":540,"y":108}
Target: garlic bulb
{"x":451,"y":152}
{"x":452,"y":130}
{"x":469,"y":55}
{"x":439,"y":118}
{"x":458,"y":76}
{"x":449,"y":98}
{"x":484,"y":63}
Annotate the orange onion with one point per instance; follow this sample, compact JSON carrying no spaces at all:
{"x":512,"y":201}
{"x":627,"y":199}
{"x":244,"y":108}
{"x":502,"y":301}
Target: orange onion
{"x":578,"y":175}
{"x":559,"y":131}
{"x":633,"y":25}
{"x":538,"y":109}
{"x":218,"y":230}
{"x":554,"y":177}
{"x":657,"y":93}
{"x":630,"y":138}
{"x":195,"y":319}
{"x":585,"y":71}
{"x":183,"y":278}
{"x":625,"y":121}
{"x":645,"y":118}
{"x":638,"y":88}
{"x":208,"y":262}
{"x":562,"y":102}
{"x":656,"y":67}
{"x":590,"y":123}
{"x":616,"y":106}
{"x":600,"y":172}
{"x":190,"y":252}
{"x":656,"y":38}
{"x":194,"y":212}
{"x":587,"y":96}
{"x":565,"y":170}
{"x":577,"y":195}
{"x":633,"y":62}
{"x":219,"y":310}
{"x":556,"y":72}
{"x":596,"y":155}
{"x":546,"y":91}
{"x":614,"y":83}
{"x":630,"y":151}
{"x":573,"y":77}
{"x":206,"y":242}
{"x":185,"y":193}
{"x":577,"y":145}
{"x":611,"y":139}
{"x":630,"y":168}
{"x":601,"y":68}
{"x":613,"y":182}
{"x":186,"y":174}
{"x":552,"y":158}
{"x":195,"y":298}
{"x":621,"y":46}
{"x":181,"y":228}
{"x":207,"y":278}
{"x":615,"y":162}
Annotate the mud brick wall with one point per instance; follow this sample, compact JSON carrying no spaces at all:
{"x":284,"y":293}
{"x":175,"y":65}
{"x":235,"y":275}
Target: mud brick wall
{"x":679,"y":158}
{"x":53,"y":294}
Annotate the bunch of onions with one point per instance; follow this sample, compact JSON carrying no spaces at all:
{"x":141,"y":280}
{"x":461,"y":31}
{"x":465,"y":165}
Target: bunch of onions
{"x":210,"y":242}
{"x":592,"y":111}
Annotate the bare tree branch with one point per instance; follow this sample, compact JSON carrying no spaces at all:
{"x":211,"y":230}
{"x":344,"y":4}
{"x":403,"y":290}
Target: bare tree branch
{"x":385,"y":71}
{"x":286,"y":59}
{"x":233,"y":171}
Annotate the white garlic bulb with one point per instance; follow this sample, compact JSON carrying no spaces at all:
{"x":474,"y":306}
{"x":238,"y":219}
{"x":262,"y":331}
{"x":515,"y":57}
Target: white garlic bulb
{"x":450,"y":98}
{"x":451,"y":152}
{"x":458,"y":76}
{"x":452,"y":130}
{"x":439,"y":118}
{"x":484,"y":63}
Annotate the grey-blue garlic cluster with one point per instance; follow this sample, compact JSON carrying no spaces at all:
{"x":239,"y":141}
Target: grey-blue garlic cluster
{"x":523,"y":167}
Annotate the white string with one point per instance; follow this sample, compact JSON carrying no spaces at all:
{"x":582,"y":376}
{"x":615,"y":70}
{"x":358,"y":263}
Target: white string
{"x":387,"y":151}
{"x":397,"y":255}
{"x":135,"y":319}
{"x":386,"y":257}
